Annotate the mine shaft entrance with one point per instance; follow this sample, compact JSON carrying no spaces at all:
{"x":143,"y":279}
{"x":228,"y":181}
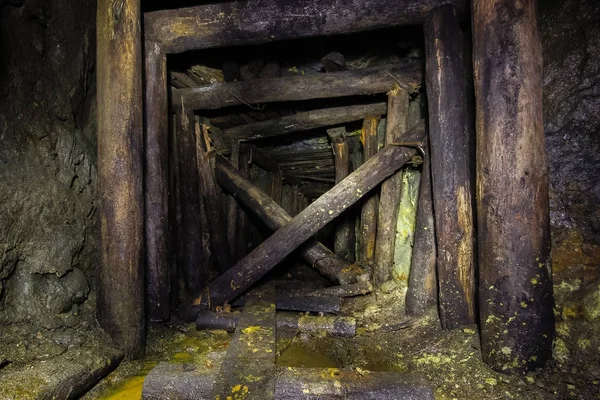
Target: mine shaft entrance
{"x":202,"y":182}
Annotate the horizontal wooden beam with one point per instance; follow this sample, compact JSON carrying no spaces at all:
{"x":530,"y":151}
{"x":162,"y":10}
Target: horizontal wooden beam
{"x":304,"y":121}
{"x":303,"y":87}
{"x":237,"y":23}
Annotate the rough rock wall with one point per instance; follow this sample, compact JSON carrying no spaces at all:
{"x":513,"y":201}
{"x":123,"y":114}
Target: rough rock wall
{"x":47,"y":160}
{"x":571,"y":45}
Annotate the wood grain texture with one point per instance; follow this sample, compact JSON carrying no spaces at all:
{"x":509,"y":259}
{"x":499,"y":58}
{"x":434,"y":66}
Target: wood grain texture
{"x":389,"y":196}
{"x":450,"y":126}
{"x":515,"y":288}
{"x":120,"y":285}
{"x":365,"y":81}
{"x":239,"y":23}
{"x":156,"y":166}
{"x":368,"y":214}
{"x":303,"y":121}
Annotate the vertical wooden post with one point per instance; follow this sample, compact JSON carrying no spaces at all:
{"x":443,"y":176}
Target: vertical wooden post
{"x":368,"y":217}
{"x":422,"y":266}
{"x":120,"y":298}
{"x":450,"y":125}
{"x":344,"y":234}
{"x":241,"y":240}
{"x":276,"y":185}
{"x":210,"y":197}
{"x":194,"y":265}
{"x":389,"y":197}
{"x":515,"y":288}
{"x":156,"y":184}
{"x":232,"y":208}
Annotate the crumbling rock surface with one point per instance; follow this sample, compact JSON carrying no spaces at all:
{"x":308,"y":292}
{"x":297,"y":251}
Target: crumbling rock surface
{"x":571,"y":49}
{"x":47,"y":159}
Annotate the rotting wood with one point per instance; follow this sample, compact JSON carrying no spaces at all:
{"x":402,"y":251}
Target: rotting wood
{"x":120,"y":284}
{"x":262,"y":259}
{"x":176,"y":294}
{"x":368,"y":215}
{"x":304,"y":121}
{"x":232,"y":206}
{"x":194,"y":263}
{"x":450,"y":126}
{"x":276,"y":186}
{"x":350,"y":290}
{"x":248,"y":369}
{"x":389,"y":195}
{"x":303,"y":87}
{"x":515,"y":287}
{"x":275,"y":217}
{"x":332,"y":383}
{"x":287,"y":301}
{"x":238,"y":23}
{"x":241,"y":241}
{"x":345,"y":236}
{"x":156,"y":184}
{"x":422,"y":280}
{"x":210,"y":196}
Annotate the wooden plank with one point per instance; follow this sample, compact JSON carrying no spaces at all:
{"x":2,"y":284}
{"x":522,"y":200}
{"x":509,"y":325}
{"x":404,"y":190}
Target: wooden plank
{"x":450,"y":126}
{"x":238,"y":23}
{"x":275,"y":217}
{"x":241,"y":240}
{"x":156,"y":195}
{"x":345,"y":234}
{"x":262,"y":259}
{"x":212,"y":202}
{"x":368,"y":215}
{"x":304,"y":121}
{"x":120,"y":295}
{"x":316,"y":383}
{"x":422,"y":282}
{"x":248,"y":370}
{"x":366,"y":81}
{"x":389,"y":196}
{"x":194,"y":263}
{"x":515,"y":287}
{"x":232,"y":206}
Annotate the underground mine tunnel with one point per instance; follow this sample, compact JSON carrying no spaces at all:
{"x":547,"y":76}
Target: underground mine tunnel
{"x":355,"y":199}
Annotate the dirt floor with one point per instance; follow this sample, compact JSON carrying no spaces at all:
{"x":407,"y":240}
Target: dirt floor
{"x":451,"y":361}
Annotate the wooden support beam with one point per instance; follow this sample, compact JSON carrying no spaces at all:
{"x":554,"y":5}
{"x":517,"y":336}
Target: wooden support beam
{"x":120,"y":297}
{"x":248,"y":369}
{"x":450,"y":126}
{"x":280,"y":244}
{"x":422,"y":282}
{"x":265,"y":161}
{"x":212,"y":202}
{"x":193,"y":262}
{"x":515,"y":287}
{"x":156,"y":184}
{"x":304,"y":121}
{"x":389,"y":196}
{"x":368,"y":216}
{"x":241,"y":241}
{"x":366,"y":81}
{"x":345,"y":235}
{"x":241,"y":23}
{"x":232,"y":206}
{"x":276,"y":217}
{"x":276,"y":186}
